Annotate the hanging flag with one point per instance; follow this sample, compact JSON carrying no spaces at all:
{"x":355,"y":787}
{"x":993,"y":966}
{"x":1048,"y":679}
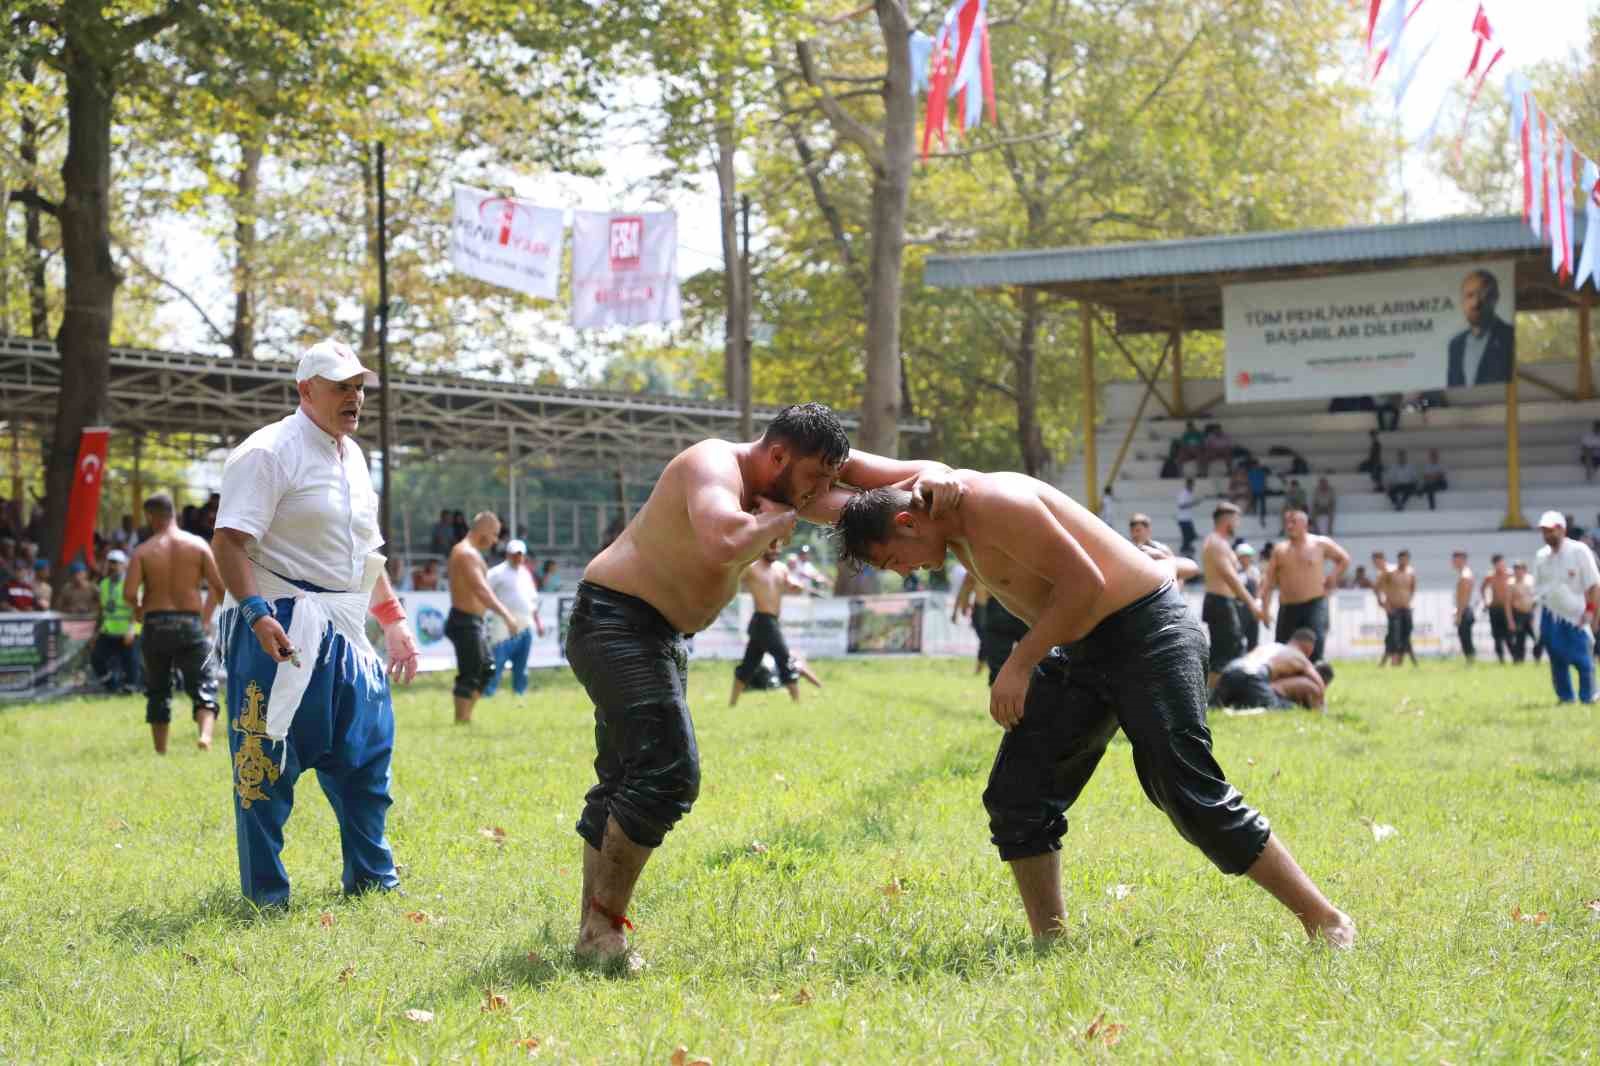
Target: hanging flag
{"x":1484,"y":35}
{"x":1391,"y":29}
{"x":1547,"y":163}
{"x":83,"y":505}
{"x":1589,"y":183}
{"x":1564,"y":203}
{"x":624,"y":269}
{"x":507,"y":242}
{"x":959,"y":66}
{"x":921,"y":47}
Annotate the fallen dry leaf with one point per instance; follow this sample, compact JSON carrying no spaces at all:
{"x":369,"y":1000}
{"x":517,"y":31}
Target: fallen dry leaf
{"x":680,"y":1056}
{"x":757,"y":848}
{"x":1380,"y":832}
{"x":777,"y":779}
{"x":326,"y":919}
{"x":894,"y":888}
{"x":1249,"y":762}
{"x":530,"y":1044}
{"x":192,"y":960}
{"x":421,"y":1017}
{"x":535,"y":959}
{"x":802,"y":997}
{"x":1108,"y":1033}
{"x":420,"y":917}
{"x":494,"y":1001}
{"x":1535,"y":919}
{"x":493,"y":832}
{"x":1120,"y":892}
{"x":1594,"y":907}
{"x":345,"y":974}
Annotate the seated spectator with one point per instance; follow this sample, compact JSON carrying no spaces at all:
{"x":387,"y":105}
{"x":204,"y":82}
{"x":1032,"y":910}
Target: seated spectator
{"x":1361,"y":580}
{"x":1172,"y":466}
{"x":19,"y":591}
{"x":1191,"y":445}
{"x":80,"y":596}
{"x":1401,"y":481}
{"x":1389,"y":412}
{"x":1217,"y":446}
{"x":1323,"y":502}
{"x":1275,"y":676}
{"x":426,"y":579}
{"x":1256,"y":475}
{"x":43,"y":587}
{"x":1433,"y":478}
{"x":1589,"y":451}
{"x":1373,"y":465}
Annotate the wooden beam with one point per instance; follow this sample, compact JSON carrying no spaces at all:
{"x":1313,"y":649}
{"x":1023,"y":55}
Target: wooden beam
{"x":1148,"y":380}
{"x":1138,"y":416}
{"x":1549,"y":386}
{"x":1514,"y":518}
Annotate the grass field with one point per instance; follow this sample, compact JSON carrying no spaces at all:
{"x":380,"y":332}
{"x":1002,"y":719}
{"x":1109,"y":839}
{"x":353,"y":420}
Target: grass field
{"x":833,"y":897}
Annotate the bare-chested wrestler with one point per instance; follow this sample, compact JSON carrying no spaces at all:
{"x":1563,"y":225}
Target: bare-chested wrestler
{"x":1276,"y":676}
{"x":1380,"y":592}
{"x":768,"y":581}
{"x":1495,"y":594}
{"x":714,"y":509}
{"x":1465,"y":618}
{"x":1399,"y":589}
{"x":1522,"y":601}
{"x":1298,"y":572}
{"x":1225,"y":590}
{"x":1111,"y":643}
{"x":163,"y":588}
{"x":470,"y":597}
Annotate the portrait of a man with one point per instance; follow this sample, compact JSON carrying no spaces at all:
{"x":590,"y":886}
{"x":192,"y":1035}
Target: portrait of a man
{"x":1485,"y":352}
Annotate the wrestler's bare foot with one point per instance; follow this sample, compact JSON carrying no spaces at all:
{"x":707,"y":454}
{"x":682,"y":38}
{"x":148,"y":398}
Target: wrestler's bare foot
{"x":607,"y":949}
{"x":1337,"y":931}
{"x":205,"y":719}
{"x":158,"y":736}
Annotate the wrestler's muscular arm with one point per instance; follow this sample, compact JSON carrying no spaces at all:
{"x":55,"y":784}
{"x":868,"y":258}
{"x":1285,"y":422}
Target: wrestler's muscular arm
{"x":727,"y":534}
{"x":130,"y":586}
{"x":1341,"y":563}
{"x":933,"y":481}
{"x":477,"y":579}
{"x":237,"y":577}
{"x":1269,"y":585}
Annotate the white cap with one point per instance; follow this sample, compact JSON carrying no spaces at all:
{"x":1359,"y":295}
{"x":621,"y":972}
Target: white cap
{"x":1551,"y":519}
{"x":116,"y":555}
{"x":335,"y":361}
{"x":1244,"y":549}
{"x":516,"y":547}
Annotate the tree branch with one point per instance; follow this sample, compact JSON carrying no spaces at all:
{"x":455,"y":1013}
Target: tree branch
{"x":216,"y":331}
{"x":995,"y":145}
{"x":849,"y":127}
{"x":31,"y":198}
{"x":141,"y":30}
{"x":840,"y":19}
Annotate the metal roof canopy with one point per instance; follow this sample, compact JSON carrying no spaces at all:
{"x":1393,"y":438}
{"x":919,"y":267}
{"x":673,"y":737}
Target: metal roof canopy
{"x":225,"y":400}
{"x":1162,"y":286}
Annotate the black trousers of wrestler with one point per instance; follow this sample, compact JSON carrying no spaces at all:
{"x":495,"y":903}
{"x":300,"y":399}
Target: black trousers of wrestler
{"x":1522,"y":637}
{"x":474,"y":657}
{"x":1464,"y":626}
{"x":1500,"y":630}
{"x":1143,"y":669}
{"x":176,"y":640}
{"x":633,"y":665}
{"x":1399,"y":641}
{"x":1307,"y":614}
{"x":766,"y":638}
{"x":1001,"y":631}
{"x":1221,"y":616}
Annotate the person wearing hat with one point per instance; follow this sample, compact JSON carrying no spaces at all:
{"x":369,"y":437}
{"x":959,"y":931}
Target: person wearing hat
{"x":115,"y":655}
{"x":512,"y":584}
{"x":297,"y":542}
{"x":80,"y":596}
{"x":1250,"y":574}
{"x":1566,"y":585}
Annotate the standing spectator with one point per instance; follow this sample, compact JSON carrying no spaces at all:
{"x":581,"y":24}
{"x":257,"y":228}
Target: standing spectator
{"x":1522,"y":601}
{"x":1139,"y":533}
{"x":1250,"y":574}
{"x":1256,"y":474}
{"x":458,"y":528}
{"x":1294,"y":498}
{"x":1401,"y":481}
{"x":115,"y":655}
{"x":1323,"y":503}
{"x":439,"y":541}
{"x":1434,"y":479}
{"x":1589,"y":450}
{"x":1372,"y":466}
{"x":80,"y":596}
{"x":1388,"y":411}
{"x":1186,"y":517}
{"x":125,"y":536}
{"x":1567,"y":587}
{"x":1218,"y":446}
{"x":549,"y":578}
{"x":1464,"y":615}
{"x":512,"y":582}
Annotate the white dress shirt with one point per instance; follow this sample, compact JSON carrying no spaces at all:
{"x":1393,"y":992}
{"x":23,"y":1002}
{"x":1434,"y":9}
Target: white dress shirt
{"x":307,"y":501}
{"x":514,"y":586}
{"x":1561,"y":578}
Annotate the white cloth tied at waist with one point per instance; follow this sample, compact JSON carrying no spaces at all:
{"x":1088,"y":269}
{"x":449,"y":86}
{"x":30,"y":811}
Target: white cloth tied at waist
{"x":314,"y":613}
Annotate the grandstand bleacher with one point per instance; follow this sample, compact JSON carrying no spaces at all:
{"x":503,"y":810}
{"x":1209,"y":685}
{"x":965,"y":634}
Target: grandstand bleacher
{"x":1470,"y":436}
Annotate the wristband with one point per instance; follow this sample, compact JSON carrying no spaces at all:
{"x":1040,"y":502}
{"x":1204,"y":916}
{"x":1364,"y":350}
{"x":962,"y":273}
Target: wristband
{"x":389,"y":612}
{"x":254,"y":609}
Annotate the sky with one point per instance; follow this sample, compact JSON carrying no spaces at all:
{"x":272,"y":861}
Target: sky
{"x":1532,"y":32}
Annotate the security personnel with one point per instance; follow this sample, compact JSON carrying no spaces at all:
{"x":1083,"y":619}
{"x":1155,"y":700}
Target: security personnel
{"x":115,"y":655}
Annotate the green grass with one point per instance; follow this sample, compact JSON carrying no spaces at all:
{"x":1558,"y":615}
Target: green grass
{"x":122,"y":936}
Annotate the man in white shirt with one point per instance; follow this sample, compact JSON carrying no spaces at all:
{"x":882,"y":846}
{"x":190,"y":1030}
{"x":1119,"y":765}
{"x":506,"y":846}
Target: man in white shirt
{"x":1186,"y":517}
{"x":1567,"y":586}
{"x":513,"y":585}
{"x":1589,"y":451}
{"x":297,"y":543}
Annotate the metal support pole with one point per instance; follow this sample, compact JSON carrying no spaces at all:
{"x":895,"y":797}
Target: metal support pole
{"x":1513,"y":519}
{"x":1585,"y":351}
{"x":1091,"y":466}
{"x":1177,"y":373}
{"x":746,"y":412}
{"x":511,"y":481}
{"x":385,"y":408}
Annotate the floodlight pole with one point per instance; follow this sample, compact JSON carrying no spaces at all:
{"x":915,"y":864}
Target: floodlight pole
{"x":385,"y":408}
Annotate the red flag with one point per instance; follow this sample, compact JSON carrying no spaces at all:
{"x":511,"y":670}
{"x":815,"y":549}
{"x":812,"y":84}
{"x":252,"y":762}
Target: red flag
{"x":83,"y":506}
{"x":987,"y":70}
{"x":1372,"y":20}
{"x":1527,"y":158}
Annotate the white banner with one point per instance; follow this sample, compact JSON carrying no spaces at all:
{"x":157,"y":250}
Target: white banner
{"x":507,"y":242}
{"x":1370,"y":334}
{"x":624,"y":269}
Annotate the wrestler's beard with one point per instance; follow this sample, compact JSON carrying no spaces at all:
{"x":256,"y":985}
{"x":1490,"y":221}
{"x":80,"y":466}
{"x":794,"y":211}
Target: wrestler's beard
{"x":782,"y":489}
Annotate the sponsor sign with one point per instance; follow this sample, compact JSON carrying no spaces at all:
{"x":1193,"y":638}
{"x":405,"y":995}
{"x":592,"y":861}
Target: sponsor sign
{"x":624,"y":269}
{"x":507,"y":242}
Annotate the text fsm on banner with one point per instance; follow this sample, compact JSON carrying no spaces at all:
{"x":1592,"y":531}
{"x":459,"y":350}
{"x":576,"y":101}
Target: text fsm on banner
{"x":1367,"y":334}
{"x":507,"y":242}
{"x":624,"y":269}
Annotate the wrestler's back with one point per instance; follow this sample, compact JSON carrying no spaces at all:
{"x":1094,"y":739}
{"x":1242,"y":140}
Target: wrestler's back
{"x":171,"y":564}
{"x":767,"y":583}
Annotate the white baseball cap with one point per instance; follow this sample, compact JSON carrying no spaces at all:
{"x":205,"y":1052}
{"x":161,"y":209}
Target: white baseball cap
{"x":516,"y":547}
{"x":1244,"y":549}
{"x":116,"y":555}
{"x":1551,"y":519}
{"x":334,"y":361}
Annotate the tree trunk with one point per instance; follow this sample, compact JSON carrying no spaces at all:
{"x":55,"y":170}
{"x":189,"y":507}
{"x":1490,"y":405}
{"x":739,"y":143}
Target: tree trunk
{"x":891,"y":198}
{"x":737,"y":320}
{"x":243,"y":339}
{"x":1030,"y":437}
{"x":91,"y":276}
{"x":33,"y":237}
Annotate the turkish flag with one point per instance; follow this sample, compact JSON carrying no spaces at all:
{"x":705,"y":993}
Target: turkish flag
{"x":83,"y":506}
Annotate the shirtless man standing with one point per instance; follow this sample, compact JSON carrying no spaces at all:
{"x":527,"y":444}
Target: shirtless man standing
{"x":1224,"y":592}
{"x":1465,"y":618}
{"x":714,"y":509}
{"x":1399,"y":589}
{"x":1522,"y":601}
{"x":1495,"y":593}
{"x":1137,"y":660}
{"x":470,"y":597}
{"x":1298,"y":572}
{"x":1276,"y":676}
{"x":1380,"y":591}
{"x":767,"y":580}
{"x":163,"y":588}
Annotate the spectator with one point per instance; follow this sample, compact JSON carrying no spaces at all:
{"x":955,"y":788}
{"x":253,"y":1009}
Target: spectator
{"x":1172,"y":466}
{"x":1191,"y":446}
{"x":1139,"y":533}
{"x":1250,"y":574}
{"x":1186,"y":517}
{"x":188,"y":520}
{"x":1108,"y":508}
{"x":1239,"y":488}
{"x":458,"y":528}
{"x":1389,"y":412}
{"x":1372,"y":466}
{"x":206,"y":518}
{"x":1434,"y":479}
{"x":426,"y":578}
{"x":1360,"y":580}
{"x":42,"y":585}
{"x":1256,"y":474}
{"x":34,"y":530}
{"x":1323,"y":502}
{"x":512,"y":582}
{"x":1217,"y":445}
{"x":19,"y":591}
{"x":399,"y":575}
{"x":549,"y":579}
{"x":440,"y":541}
{"x":79,"y":597}
{"x":1589,"y":450}
{"x":1401,"y":481}
{"x":125,"y":536}
{"x":1295,"y":498}
{"x":115,"y":655}
{"x":1567,"y":588}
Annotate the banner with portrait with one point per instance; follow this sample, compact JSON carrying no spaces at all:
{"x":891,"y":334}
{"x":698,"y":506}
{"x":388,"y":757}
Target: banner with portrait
{"x":1370,"y":334}
{"x":44,"y":655}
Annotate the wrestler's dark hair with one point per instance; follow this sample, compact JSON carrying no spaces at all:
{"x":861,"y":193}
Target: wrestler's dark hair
{"x":1224,"y":508}
{"x":1488,"y":279}
{"x":1325,"y":668}
{"x":809,"y":429}
{"x":1304,"y":634}
{"x":160,"y":504}
{"x":866,"y":521}
{"x":1496,"y":557}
